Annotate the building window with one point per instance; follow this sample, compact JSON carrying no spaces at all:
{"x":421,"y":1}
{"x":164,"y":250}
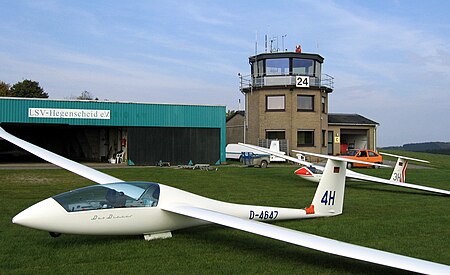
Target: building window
{"x":305,"y":103}
{"x":318,"y":72}
{"x":275,"y":103}
{"x":258,"y":68}
{"x":323,"y":105}
{"x":275,"y":134}
{"x":305,"y":138}
{"x":303,"y":67}
{"x":324,"y":138}
{"x":277,"y":66}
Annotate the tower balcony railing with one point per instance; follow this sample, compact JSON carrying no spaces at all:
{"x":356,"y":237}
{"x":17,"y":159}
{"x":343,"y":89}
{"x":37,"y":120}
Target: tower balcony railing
{"x":248,"y":82}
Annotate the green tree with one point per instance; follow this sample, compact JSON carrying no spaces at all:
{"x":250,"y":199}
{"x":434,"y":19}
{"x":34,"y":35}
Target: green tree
{"x":28,"y":88}
{"x":5,"y":89}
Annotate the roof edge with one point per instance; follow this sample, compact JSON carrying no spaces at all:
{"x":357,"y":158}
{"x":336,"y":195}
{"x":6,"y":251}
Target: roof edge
{"x":109,"y":101}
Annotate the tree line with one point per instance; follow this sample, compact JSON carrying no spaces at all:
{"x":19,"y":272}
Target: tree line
{"x":25,"y":88}
{"x":32,"y":89}
{"x":426,"y":147}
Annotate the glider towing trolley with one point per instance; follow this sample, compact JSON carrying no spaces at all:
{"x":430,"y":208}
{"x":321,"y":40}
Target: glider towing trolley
{"x":252,"y":159}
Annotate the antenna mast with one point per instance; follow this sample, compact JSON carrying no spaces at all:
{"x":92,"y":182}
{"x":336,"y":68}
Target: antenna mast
{"x":256,"y":43}
{"x":282,"y":41}
{"x":265,"y":42}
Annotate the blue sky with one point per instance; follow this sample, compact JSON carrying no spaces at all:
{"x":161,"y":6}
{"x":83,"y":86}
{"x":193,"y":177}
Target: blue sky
{"x":390,"y":59}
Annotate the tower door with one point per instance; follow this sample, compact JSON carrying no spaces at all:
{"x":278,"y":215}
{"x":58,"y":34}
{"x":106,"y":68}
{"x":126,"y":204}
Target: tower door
{"x":330,"y":143}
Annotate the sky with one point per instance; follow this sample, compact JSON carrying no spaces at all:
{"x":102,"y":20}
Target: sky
{"x":390,"y":59}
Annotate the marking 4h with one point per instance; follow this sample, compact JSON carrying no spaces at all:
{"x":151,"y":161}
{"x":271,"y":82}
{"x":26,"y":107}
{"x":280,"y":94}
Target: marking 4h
{"x":328,"y":197}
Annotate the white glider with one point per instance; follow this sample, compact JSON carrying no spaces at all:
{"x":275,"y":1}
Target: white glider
{"x":112,"y":209}
{"x":314,"y":173}
{"x":315,"y":176}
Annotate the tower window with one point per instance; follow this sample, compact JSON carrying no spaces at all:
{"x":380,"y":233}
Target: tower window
{"x":305,"y":138}
{"x":275,"y":103}
{"x":303,"y":66}
{"x":258,"y":68}
{"x":324,"y":138}
{"x":323,"y":105}
{"x":305,"y":103}
{"x":275,"y":134}
{"x":277,"y":66}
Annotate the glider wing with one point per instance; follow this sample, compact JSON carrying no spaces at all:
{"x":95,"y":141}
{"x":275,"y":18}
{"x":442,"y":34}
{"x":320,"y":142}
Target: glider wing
{"x":60,"y":161}
{"x":312,"y":241}
{"x":359,"y":176}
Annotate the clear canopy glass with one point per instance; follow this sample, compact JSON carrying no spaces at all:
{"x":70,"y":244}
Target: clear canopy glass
{"x":113,"y":195}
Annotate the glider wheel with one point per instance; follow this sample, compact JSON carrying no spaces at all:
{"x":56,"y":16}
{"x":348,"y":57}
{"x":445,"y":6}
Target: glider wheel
{"x":54,"y":234}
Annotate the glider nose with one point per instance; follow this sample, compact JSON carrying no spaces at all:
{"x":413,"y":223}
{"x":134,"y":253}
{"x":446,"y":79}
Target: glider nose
{"x":38,"y":215}
{"x":303,"y":172}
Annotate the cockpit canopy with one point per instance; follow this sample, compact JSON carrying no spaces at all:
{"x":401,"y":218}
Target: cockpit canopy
{"x":112,"y":195}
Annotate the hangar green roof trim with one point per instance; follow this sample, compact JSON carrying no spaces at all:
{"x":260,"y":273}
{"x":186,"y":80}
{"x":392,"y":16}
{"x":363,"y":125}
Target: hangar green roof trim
{"x":17,"y":110}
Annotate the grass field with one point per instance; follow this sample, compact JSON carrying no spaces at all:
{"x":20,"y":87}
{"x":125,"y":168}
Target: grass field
{"x":389,"y":218}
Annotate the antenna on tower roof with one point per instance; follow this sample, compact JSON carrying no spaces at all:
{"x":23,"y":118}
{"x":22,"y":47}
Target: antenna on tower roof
{"x":282,"y":42}
{"x":265,"y":43}
{"x":273,"y":39}
{"x":256,"y":43}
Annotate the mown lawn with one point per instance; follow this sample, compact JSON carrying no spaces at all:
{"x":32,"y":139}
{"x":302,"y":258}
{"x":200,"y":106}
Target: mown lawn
{"x":407,"y":222}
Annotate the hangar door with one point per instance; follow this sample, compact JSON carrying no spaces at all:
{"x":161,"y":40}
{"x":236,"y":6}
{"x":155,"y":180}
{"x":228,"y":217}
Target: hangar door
{"x":149,"y":145}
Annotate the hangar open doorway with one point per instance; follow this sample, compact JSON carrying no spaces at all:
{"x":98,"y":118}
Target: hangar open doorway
{"x":351,"y":131}
{"x":354,"y":139}
{"x":79,"y":143}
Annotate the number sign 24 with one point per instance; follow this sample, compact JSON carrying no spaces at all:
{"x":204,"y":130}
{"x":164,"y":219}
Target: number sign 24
{"x":302,"y":81}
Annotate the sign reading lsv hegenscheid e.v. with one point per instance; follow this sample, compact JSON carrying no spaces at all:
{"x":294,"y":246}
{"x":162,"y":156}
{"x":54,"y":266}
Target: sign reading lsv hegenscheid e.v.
{"x":69,"y":113}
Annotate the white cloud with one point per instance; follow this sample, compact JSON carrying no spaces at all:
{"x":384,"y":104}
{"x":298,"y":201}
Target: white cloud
{"x":208,"y":13}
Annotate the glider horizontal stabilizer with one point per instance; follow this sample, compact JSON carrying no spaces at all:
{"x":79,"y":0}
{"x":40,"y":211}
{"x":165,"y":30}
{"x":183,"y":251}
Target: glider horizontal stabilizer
{"x":60,"y":161}
{"x":359,"y":176}
{"x":354,"y":175}
{"x":278,"y":154}
{"x":403,"y":157}
{"x":340,"y":158}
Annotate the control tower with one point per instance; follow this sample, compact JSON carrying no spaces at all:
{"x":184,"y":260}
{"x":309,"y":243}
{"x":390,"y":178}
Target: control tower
{"x":286,"y":99}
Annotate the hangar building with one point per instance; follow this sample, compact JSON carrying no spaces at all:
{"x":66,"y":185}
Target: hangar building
{"x":286,"y":98}
{"x":141,"y":133}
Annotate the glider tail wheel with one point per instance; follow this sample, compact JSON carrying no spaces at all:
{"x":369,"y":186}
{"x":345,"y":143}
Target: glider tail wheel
{"x":54,"y":234}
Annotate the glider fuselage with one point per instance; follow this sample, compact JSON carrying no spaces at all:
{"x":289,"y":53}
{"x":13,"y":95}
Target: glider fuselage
{"x":104,"y":216}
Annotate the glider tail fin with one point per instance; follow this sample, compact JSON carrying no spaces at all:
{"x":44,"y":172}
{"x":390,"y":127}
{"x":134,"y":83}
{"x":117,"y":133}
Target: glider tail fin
{"x":399,"y":173}
{"x":329,"y":197}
